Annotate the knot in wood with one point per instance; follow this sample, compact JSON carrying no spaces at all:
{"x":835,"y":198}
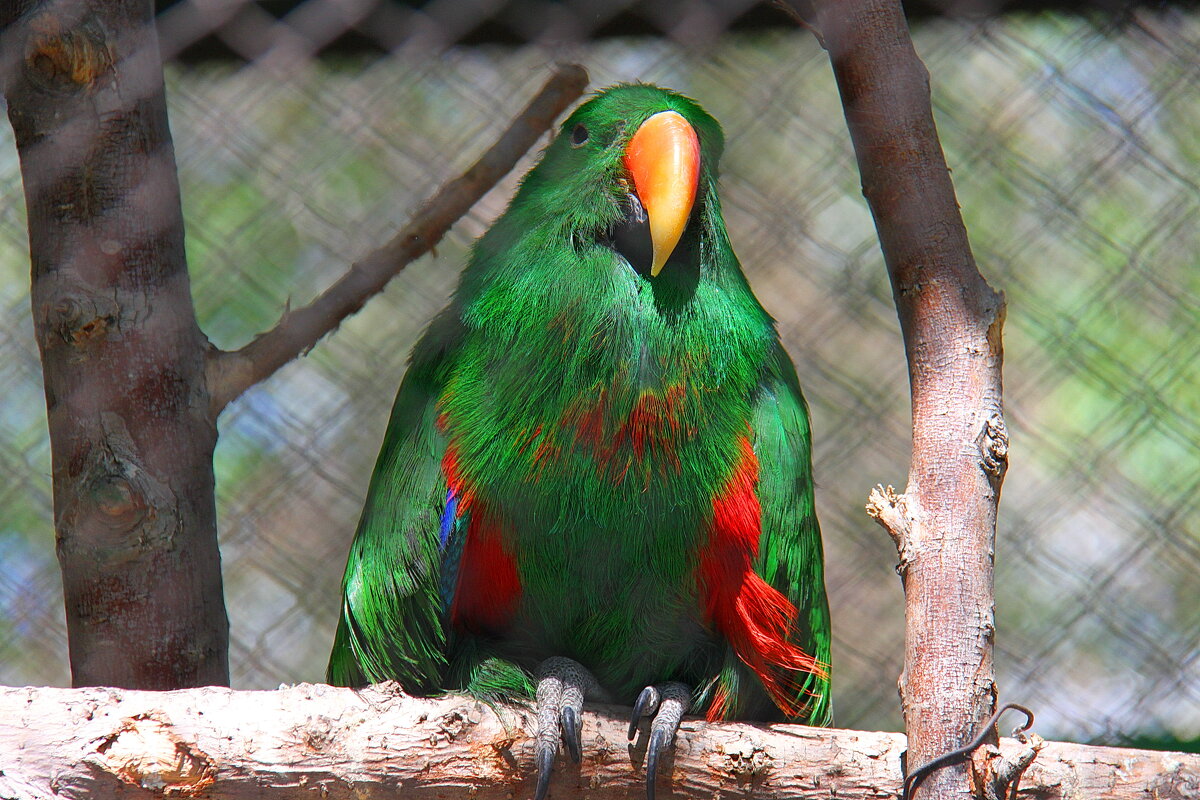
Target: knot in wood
{"x":66,"y":56}
{"x":81,"y":317}
{"x":318,"y":735}
{"x":993,"y":447}
{"x":120,"y":510}
{"x":454,"y":724}
{"x":117,"y":499}
{"x":747,"y":762}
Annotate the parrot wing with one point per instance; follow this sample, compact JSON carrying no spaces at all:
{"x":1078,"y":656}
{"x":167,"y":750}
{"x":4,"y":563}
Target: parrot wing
{"x":790,"y":557}
{"x":393,"y":604}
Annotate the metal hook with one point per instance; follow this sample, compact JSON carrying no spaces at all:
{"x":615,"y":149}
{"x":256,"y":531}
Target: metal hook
{"x":914,"y":778}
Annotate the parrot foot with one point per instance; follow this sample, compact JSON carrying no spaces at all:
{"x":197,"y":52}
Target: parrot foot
{"x":666,"y":703}
{"x":562,"y":686}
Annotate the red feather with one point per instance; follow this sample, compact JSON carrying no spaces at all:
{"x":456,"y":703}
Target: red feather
{"x":754,"y":616}
{"x":488,"y":586}
{"x":652,"y":429}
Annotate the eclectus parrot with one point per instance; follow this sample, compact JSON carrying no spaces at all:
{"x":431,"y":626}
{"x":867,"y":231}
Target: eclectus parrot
{"x":596,"y":480}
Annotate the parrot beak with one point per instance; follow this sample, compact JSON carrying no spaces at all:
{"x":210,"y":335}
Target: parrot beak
{"x":663,"y":159}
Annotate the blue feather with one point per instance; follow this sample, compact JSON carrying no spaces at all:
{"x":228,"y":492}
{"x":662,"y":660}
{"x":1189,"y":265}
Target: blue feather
{"x":451,"y":539}
{"x":448,"y":518}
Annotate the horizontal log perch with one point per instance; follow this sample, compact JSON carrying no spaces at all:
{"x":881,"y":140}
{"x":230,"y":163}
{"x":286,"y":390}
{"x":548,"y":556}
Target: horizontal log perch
{"x":320,"y":741}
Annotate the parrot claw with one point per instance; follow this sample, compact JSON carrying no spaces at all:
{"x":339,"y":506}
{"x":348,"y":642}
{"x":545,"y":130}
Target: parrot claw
{"x":572,"y":736}
{"x":657,"y":739}
{"x":645,"y":705}
{"x":666,"y":703}
{"x":562,"y":686}
{"x":545,"y":763}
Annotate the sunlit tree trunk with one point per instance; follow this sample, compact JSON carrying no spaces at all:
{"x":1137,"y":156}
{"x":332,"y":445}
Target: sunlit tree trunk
{"x":944,"y":524}
{"x":133,"y":387}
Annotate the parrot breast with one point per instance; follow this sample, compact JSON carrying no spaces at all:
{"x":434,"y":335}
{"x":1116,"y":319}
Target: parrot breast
{"x":587,"y":449}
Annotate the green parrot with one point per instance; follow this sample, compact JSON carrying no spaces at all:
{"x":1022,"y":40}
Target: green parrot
{"x":596,"y":480}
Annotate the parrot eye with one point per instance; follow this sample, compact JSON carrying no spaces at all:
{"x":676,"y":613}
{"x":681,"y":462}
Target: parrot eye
{"x":579,"y":136}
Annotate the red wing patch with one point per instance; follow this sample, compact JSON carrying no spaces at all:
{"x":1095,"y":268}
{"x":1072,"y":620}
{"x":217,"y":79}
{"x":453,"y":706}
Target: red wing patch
{"x":488,"y":586}
{"x":755,"y":617}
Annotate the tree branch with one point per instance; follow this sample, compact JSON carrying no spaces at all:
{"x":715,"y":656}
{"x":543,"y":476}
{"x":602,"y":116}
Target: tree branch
{"x":315,"y":740}
{"x":232,"y":372}
{"x":944,"y":524}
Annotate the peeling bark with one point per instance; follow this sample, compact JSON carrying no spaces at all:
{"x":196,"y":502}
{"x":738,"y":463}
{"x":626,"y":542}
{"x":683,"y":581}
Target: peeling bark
{"x":315,"y":740}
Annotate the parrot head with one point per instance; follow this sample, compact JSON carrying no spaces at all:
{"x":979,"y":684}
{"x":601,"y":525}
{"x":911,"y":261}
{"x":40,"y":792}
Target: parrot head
{"x":613,"y":241}
{"x":631,"y":169}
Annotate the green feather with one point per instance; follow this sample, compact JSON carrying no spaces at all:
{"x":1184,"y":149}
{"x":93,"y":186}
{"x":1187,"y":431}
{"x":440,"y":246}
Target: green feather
{"x":593,"y":414}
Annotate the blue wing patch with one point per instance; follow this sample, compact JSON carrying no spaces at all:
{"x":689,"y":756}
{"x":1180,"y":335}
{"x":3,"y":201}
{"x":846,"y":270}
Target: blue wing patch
{"x":451,"y":538}
{"x":449,"y":516}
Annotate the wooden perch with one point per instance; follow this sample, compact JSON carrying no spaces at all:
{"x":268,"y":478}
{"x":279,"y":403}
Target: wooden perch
{"x":233,"y":372}
{"x":321,"y":741}
{"x":944,"y":524}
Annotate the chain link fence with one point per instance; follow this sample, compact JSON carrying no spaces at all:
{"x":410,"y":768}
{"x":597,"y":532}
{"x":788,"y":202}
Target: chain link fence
{"x":1075,"y":148}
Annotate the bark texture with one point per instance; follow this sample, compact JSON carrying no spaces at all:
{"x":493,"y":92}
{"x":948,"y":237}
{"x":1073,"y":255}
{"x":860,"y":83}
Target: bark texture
{"x":122,"y":355}
{"x":320,"y":741}
{"x":944,"y":523}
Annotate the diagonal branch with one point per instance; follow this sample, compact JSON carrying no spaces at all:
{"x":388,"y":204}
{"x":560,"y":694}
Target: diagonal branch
{"x":230,"y":373}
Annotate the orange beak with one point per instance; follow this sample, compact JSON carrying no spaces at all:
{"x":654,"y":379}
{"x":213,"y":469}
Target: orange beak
{"x":663,"y":158}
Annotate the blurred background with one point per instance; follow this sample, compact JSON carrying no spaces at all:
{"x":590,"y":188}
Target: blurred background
{"x":307,"y":132}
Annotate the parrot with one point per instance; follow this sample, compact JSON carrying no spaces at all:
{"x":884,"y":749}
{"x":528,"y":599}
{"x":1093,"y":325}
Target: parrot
{"x":595,"y":482}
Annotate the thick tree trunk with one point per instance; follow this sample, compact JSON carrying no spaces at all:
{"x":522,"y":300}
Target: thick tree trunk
{"x":122,"y":355}
{"x":944,"y":524}
{"x":320,"y":741}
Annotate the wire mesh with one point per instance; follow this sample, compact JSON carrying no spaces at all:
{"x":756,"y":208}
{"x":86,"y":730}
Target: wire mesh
{"x":1075,"y":147}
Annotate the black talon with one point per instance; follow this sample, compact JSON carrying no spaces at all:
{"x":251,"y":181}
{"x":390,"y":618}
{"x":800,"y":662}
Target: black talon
{"x":562,"y":686}
{"x":642,"y":707}
{"x":667,"y":702}
{"x":571,"y":735}
{"x":657,"y":744}
{"x":545,"y":762}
